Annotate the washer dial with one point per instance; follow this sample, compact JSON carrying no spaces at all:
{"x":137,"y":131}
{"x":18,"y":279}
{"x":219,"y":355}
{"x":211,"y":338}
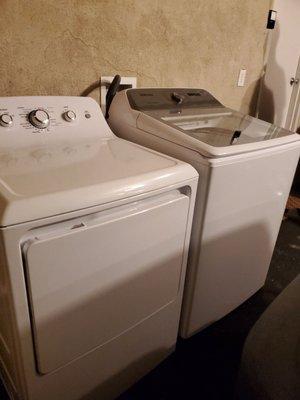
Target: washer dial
{"x":6,"y":120}
{"x":39,"y":118}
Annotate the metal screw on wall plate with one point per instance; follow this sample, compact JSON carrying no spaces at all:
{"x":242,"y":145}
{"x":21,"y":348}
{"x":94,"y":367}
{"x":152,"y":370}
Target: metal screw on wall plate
{"x":294,"y":81}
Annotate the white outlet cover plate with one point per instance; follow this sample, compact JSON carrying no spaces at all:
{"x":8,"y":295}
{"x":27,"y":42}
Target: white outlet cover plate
{"x":106,"y":80}
{"x":242,"y":77}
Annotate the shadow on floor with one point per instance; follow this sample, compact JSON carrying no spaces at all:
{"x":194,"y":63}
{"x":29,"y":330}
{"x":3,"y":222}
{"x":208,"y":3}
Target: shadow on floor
{"x":206,"y":365}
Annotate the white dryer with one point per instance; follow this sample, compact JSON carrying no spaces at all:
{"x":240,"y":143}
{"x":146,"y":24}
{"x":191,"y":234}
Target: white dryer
{"x":93,"y":247}
{"x":246,"y":167}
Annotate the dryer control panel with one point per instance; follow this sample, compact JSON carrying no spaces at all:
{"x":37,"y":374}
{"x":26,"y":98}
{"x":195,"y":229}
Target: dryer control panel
{"x":41,"y":120}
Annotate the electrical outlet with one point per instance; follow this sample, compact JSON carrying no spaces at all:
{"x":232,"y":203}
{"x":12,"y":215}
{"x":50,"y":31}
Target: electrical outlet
{"x":242,"y":77}
{"x":127,"y":82}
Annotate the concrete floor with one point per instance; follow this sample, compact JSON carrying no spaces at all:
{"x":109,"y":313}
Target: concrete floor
{"x":205,"y":366}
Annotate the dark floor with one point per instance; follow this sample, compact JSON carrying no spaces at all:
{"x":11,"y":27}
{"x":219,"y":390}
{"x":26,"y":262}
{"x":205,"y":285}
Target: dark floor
{"x":205,"y":366}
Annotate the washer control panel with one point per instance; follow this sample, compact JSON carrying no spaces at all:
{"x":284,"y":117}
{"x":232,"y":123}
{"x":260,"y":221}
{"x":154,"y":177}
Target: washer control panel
{"x":41,"y":120}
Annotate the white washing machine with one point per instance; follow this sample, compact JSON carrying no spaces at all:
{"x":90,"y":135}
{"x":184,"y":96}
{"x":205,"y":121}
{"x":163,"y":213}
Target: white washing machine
{"x":246,"y":167}
{"x":93,"y":248}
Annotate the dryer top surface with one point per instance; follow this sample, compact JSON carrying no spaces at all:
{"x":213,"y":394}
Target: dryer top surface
{"x":73,"y":165}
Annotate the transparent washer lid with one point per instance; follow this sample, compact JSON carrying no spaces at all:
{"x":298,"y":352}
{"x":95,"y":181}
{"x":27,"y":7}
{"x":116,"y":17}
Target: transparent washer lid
{"x":225,"y":127}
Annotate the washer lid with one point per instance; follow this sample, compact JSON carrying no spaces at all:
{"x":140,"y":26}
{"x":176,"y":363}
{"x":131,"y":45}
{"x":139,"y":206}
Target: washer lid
{"x":223,"y":128}
{"x":41,"y":182}
{"x":195,"y":119}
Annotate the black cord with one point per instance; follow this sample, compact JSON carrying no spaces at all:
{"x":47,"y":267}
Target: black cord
{"x":112,"y":90}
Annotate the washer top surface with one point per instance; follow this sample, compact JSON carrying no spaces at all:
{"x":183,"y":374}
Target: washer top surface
{"x":195,"y":119}
{"x":73,"y":162}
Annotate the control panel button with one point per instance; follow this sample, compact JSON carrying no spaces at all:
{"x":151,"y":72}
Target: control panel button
{"x":6,"y":120}
{"x":70,"y":116}
{"x":39,"y":118}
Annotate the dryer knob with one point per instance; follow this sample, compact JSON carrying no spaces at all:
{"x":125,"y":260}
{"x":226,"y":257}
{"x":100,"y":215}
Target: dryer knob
{"x":39,"y":118}
{"x":6,"y":120}
{"x":70,"y":116}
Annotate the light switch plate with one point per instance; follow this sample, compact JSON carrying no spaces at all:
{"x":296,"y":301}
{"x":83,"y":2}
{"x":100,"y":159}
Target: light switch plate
{"x":127,"y":82}
{"x":242,"y":77}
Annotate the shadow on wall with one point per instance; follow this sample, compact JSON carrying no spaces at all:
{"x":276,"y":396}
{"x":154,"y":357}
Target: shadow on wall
{"x":253,"y":93}
{"x":266,"y":106}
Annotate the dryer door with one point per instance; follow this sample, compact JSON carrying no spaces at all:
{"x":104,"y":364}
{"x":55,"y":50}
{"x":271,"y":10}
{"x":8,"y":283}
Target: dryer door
{"x":91,"y":279}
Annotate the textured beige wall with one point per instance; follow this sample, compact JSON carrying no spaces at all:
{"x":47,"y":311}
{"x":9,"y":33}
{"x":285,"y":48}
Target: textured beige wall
{"x":59,"y":47}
